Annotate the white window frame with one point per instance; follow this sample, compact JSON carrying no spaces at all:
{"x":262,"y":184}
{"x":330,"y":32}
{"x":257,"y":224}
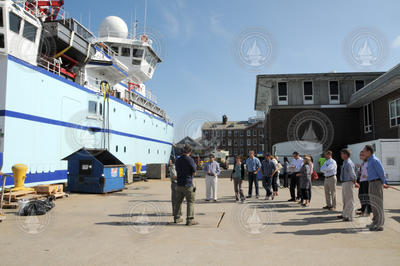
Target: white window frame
{"x":241,"y":142}
{"x":248,"y":142}
{"x":223,"y":133}
{"x":312,"y":95}
{"x":255,"y":132}
{"x":284,"y":101}
{"x":229,"y":142}
{"x":223,"y":142}
{"x":248,"y":132}
{"x":332,"y":101}
{"x":254,"y":142}
{"x":366,"y":112}
{"x":396,"y":115}
{"x":229,"y":133}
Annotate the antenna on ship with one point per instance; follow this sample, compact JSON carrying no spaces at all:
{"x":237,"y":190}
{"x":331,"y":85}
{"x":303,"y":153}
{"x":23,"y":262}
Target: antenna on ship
{"x":135,"y":24}
{"x":145,"y":17}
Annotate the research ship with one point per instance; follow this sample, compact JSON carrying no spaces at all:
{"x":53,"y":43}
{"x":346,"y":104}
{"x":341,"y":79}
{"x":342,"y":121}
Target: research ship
{"x":62,"y":89}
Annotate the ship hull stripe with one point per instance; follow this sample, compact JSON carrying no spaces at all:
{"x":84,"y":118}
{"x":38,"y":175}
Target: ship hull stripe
{"x":8,"y":113}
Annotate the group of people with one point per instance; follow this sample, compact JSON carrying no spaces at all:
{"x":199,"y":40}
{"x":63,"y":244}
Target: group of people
{"x":369,"y":177}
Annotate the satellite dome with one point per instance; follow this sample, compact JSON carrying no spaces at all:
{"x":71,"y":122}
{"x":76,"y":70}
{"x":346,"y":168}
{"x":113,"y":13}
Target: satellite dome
{"x":113,"y":26}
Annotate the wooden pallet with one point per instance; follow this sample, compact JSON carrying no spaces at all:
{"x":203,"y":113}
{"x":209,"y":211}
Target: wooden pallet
{"x":17,"y":195}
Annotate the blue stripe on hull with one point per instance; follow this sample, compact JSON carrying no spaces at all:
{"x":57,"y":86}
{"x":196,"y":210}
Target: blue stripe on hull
{"x":72,"y":125}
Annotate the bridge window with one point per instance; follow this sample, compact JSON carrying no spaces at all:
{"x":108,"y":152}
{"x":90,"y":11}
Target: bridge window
{"x":115,"y":49}
{"x":138,"y":53}
{"x":136,"y":62}
{"x":1,"y":17}
{"x":29,"y":31}
{"x":15,"y":22}
{"x":126,"y":51}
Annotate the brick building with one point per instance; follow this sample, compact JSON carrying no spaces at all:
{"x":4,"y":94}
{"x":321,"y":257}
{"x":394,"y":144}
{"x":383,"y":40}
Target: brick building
{"x":237,"y":137}
{"x":330,"y":109}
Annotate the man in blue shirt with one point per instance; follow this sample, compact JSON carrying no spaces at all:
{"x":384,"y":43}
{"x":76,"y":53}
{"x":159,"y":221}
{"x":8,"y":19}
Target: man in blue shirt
{"x":268,"y":170}
{"x":186,"y":169}
{"x":377,"y":181}
{"x":253,"y":166}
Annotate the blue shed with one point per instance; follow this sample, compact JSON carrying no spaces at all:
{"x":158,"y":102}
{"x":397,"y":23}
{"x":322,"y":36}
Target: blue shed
{"x":95,"y":171}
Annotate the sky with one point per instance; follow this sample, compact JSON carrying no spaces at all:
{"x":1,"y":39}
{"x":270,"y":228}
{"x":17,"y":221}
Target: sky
{"x":203,"y":76}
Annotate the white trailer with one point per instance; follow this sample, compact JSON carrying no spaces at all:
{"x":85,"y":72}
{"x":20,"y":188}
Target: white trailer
{"x":387,"y":150}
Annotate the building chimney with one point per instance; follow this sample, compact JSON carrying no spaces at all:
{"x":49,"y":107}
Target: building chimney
{"x":224,"y":119}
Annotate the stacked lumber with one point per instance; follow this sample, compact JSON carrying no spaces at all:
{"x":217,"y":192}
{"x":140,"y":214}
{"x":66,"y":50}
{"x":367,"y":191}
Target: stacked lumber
{"x":56,"y":190}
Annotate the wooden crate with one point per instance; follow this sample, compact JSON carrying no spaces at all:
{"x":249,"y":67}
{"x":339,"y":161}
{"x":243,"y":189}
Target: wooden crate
{"x":49,"y":189}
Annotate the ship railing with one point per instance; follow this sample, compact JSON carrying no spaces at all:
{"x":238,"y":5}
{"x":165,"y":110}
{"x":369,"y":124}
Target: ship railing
{"x":50,"y":64}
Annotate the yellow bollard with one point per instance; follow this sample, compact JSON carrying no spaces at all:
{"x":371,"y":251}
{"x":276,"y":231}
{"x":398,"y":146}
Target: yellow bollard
{"x":138,"y":166}
{"x":19,"y":171}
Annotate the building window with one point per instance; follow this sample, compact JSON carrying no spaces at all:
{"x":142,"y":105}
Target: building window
{"x":230,"y":151}
{"x":248,"y":142}
{"x":308,"y":92}
{"x":367,"y":118}
{"x":125,"y":51}
{"x":1,"y":40}
{"x":241,"y":133}
{"x":255,"y":132}
{"x":1,"y":17}
{"x":236,"y":151}
{"x":223,"y":142}
{"x":254,"y":142}
{"x":223,"y":133}
{"x":260,"y":132}
{"x":218,"y":133}
{"x":241,"y":151}
{"x":235,"y":133}
{"x":241,"y":142}
{"x":282,"y":93}
{"x":359,"y":84}
{"x":248,"y":133}
{"x":15,"y":22}
{"x":229,"y":142}
{"x":206,"y":134}
{"x":229,"y":133}
{"x":235,"y":142}
{"x":394,"y":109}
{"x":334,"y":92}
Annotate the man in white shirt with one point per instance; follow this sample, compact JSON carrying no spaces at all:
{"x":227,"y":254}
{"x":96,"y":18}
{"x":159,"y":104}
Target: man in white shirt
{"x":294,"y":168}
{"x":329,"y":169}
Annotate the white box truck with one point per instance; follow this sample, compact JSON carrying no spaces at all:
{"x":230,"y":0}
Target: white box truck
{"x":387,"y":150}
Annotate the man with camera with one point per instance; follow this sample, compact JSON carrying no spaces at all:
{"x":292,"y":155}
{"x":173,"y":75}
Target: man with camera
{"x":186,"y":170}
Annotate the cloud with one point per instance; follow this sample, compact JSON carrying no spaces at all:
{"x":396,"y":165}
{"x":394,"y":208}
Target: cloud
{"x":218,"y":28}
{"x":396,"y":42}
{"x":172,"y":22}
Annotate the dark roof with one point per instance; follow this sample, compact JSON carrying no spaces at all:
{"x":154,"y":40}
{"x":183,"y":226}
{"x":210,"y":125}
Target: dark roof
{"x":103,"y":156}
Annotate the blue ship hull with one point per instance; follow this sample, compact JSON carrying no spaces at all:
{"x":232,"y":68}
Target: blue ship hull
{"x":44,"y":118}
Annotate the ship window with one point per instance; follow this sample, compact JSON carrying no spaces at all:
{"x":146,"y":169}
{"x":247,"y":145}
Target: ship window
{"x":29,"y":31}
{"x":15,"y":22}
{"x":1,"y":17}
{"x":116,"y":148}
{"x":1,"y":40}
{"x":136,"y":62}
{"x":115,"y":49}
{"x":138,"y":53}
{"x":92,"y":107}
{"x":100,"y":108}
{"x":126,"y":51}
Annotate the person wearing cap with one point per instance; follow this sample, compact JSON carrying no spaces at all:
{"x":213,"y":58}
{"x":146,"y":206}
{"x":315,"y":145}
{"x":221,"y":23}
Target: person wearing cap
{"x":377,"y":181}
{"x":211,"y":170}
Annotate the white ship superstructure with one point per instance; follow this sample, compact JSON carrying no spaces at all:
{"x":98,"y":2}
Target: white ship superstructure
{"x":63,"y":88}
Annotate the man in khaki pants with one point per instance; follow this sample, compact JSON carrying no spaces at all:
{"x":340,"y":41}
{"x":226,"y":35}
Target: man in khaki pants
{"x":329,"y":169}
{"x":348,"y":178}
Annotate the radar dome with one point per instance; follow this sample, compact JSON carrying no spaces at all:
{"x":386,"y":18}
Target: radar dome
{"x":113,"y":26}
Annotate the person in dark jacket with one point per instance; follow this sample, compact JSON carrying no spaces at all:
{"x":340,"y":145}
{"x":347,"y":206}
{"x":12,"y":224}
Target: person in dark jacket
{"x":186,"y":170}
{"x":237,"y":177}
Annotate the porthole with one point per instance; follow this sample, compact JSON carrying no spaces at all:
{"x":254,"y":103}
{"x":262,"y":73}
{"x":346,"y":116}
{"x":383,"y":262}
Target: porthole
{"x":144,"y":121}
{"x":158,"y":152}
{"x":125,"y":149}
{"x":116,"y":148}
{"x":114,"y":110}
{"x":148,"y":151}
